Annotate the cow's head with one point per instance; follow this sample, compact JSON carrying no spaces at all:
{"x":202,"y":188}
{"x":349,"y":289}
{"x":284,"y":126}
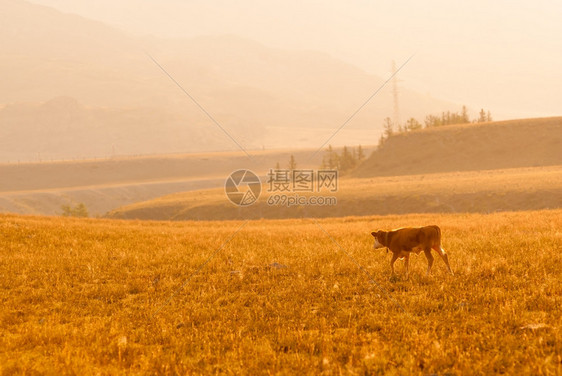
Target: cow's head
{"x":379,"y":236}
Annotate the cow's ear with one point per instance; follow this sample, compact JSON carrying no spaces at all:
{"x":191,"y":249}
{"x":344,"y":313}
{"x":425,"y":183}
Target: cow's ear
{"x":374,"y":234}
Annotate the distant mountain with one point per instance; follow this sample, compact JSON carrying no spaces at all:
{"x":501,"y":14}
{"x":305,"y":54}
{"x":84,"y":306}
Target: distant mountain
{"x":261,"y":96}
{"x":63,"y":128}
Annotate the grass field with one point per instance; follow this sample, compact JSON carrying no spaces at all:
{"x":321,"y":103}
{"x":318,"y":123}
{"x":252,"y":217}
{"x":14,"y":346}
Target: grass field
{"x":278,"y":297}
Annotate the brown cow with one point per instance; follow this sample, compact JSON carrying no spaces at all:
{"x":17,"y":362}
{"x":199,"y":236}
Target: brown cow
{"x":402,"y":242}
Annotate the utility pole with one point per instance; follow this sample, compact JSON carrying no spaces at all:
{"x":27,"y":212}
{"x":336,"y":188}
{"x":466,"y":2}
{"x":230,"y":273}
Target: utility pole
{"x":395,"y":96}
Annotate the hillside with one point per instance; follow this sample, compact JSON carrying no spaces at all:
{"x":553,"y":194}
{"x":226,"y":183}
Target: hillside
{"x":469,"y":147}
{"x":105,"y":184}
{"x":477,"y":192}
{"x":463,"y":168}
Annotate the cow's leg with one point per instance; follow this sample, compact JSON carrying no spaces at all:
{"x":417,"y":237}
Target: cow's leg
{"x":444,"y":256}
{"x":394,"y":258}
{"x":407,"y":264}
{"x":429,"y":256}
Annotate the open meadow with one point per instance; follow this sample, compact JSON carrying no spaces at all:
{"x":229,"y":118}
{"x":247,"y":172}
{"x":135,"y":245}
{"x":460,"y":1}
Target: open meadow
{"x":83,"y":296}
{"x":198,"y":188}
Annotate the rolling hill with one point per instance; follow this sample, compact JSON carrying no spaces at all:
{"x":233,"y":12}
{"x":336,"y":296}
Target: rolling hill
{"x":104,"y":184}
{"x":468,"y":147}
{"x":475,"y":191}
{"x":511,"y":165}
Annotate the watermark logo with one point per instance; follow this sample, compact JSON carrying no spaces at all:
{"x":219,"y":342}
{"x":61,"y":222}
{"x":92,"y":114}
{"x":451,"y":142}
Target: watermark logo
{"x":287,"y":187}
{"x":286,"y":184}
{"x":243,"y":187}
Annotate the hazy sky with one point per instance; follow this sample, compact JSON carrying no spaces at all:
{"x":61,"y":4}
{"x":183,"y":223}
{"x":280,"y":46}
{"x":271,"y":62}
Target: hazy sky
{"x":505,"y":56}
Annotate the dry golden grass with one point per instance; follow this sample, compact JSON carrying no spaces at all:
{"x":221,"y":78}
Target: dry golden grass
{"x":105,"y":297}
{"x":469,"y":191}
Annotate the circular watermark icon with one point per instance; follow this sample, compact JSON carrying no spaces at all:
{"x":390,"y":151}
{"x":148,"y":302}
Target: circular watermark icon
{"x":242,"y":187}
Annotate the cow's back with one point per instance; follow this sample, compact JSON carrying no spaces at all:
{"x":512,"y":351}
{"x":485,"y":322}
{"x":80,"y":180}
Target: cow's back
{"x":417,"y":237}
